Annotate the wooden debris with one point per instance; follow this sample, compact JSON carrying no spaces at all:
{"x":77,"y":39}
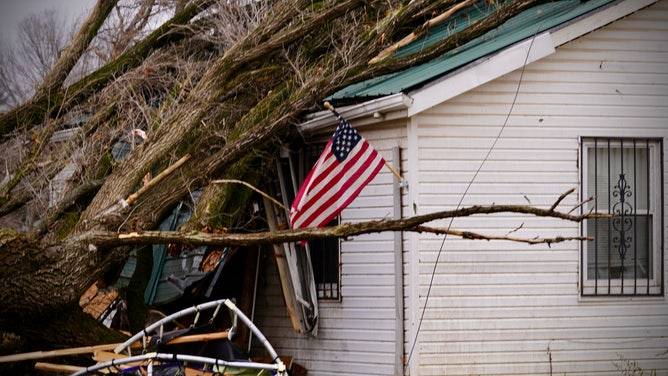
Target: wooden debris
{"x":95,"y":301}
{"x":52,"y":367}
{"x":108,"y":347}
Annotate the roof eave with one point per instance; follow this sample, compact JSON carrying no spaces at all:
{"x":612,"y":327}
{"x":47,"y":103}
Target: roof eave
{"x":481,"y":72}
{"x":478,"y":72}
{"x":372,"y":111}
{"x":517,"y":56}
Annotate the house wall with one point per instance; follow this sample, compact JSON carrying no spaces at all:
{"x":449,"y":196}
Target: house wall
{"x":356,"y":335}
{"x":507,"y":308}
{"x":497,"y":307}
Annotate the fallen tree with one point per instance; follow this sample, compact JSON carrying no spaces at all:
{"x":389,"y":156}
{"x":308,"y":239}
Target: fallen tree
{"x":216,"y":89}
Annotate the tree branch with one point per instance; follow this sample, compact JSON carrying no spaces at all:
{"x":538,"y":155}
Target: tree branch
{"x":421,"y":30}
{"x":474,"y":30}
{"x":477,"y":236}
{"x":35,"y":110}
{"x":55,"y":79}
{"x":218,"y":181}
{"x":561,"y":198}
{"x":153,"y":182}
{"x":106,"y":239}
{"x":32,"y":111}
{"x":66,"y":202}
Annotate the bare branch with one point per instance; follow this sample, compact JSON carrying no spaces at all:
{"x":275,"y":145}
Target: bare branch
{"x":133,"y":197}
{"x":477,"y":236}
{"x":32,"y":110}
{"x":251,"y":187}
{"x":109,"y":239}
{"x":37,"y":108}
{"x":561,"y":198}
{"x":420,"y":31}
{"x":582,"y":204}
{"x":68,"y":59}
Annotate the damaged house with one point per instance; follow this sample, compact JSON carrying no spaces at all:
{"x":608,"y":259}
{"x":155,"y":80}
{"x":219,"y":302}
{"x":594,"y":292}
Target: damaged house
{"x":566,"y":96}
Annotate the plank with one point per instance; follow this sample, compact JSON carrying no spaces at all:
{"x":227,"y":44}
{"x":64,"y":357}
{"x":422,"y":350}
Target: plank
{"x":105,"y":347}
{"x":52,"y":367}
{"x":56,"y":353}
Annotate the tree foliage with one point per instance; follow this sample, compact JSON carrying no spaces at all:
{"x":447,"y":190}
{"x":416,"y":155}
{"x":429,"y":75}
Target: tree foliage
{"x":216,"y":88}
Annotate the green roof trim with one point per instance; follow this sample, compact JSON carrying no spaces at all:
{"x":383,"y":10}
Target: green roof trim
{"x":523,"y":26}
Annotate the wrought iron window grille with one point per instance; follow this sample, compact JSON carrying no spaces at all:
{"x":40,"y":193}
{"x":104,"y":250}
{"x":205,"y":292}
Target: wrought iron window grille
{"x":624,"y":178}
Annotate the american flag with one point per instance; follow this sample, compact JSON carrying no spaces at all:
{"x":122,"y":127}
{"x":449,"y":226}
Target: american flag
{"x":347,"y":164}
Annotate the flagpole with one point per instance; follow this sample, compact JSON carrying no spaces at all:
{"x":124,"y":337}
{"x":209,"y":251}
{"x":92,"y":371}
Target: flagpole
{"x":402,"y":181}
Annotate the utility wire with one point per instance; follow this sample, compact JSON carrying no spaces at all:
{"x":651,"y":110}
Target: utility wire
{"x":489,"y":152}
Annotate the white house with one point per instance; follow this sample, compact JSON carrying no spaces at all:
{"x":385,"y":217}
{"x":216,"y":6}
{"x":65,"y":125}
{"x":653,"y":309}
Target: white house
{"x":568,"y":95}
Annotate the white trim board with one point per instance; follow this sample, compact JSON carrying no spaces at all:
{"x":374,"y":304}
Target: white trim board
{"x":504,"y":62}
{"x":514,"y":57}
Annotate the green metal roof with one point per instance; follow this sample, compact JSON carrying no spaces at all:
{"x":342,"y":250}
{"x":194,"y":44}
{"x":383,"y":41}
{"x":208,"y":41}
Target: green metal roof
{"x":523,"y":26}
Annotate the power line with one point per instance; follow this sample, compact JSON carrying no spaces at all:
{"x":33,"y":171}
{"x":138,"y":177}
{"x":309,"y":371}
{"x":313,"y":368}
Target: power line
{"x":489,"y":152}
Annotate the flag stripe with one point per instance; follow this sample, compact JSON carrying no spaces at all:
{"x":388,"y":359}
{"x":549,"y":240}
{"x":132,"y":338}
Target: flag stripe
{"x":333,"y":205}
{"x":318,"y":196}
{"x":308,"y":181}
{"x":332,"y":184}
{"x":332,"y":173}
{"x":342,"y":185}
{"x":336,"y":204}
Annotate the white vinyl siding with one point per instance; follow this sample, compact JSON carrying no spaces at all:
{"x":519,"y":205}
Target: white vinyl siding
{"x":497,"y":307}
{"x":506,"y":308}
{"x":356,"y":335}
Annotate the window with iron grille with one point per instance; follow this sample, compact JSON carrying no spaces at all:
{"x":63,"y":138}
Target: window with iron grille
{"x":623,"y":177}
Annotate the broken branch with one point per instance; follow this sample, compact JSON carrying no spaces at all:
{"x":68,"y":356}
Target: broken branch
{"x":196,"y":238}
{"x":133,"y":197}
{"x":419,"y":31}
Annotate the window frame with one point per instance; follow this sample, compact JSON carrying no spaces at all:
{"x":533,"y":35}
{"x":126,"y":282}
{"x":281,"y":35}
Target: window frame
{"x":300,"y":163}
{"x":626,"y":286}
{"x":324,"y":290}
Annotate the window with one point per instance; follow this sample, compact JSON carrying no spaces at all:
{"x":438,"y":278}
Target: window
{"x":624,"y":179}
{"x":325,"y":261}
{"x":324,"y":254}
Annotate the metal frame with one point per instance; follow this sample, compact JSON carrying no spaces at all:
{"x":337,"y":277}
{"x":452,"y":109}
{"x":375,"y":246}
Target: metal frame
{"x":278,"y":366}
